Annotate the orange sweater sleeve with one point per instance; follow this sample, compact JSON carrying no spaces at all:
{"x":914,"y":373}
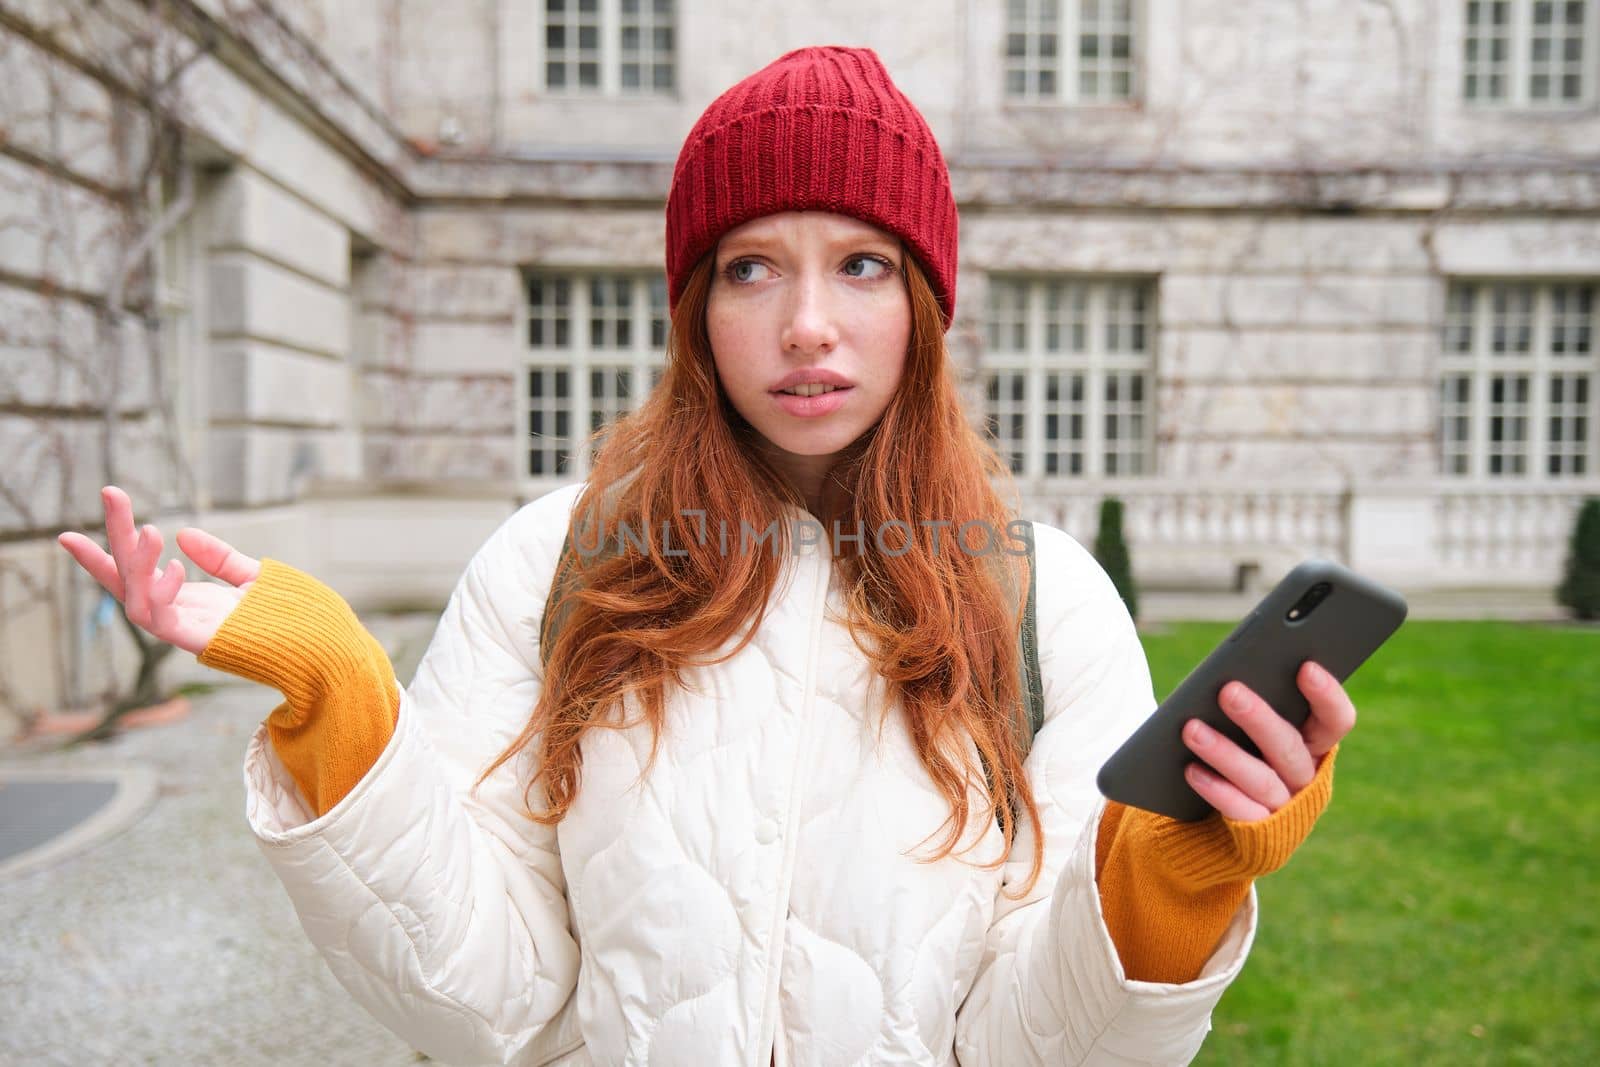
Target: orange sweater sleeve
{"x":1169,"y":889}
{"x":293,"y":633}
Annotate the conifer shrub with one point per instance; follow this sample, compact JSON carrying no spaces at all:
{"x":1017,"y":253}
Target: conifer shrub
{"x":1580,"y":583}
{"x":1112,"y":551}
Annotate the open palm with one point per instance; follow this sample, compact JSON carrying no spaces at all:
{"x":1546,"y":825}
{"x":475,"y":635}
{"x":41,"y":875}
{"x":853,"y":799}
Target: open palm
{"x":186,"y":614}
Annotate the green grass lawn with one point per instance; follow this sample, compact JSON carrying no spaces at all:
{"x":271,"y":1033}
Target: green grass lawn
{"x":1446,"y":909}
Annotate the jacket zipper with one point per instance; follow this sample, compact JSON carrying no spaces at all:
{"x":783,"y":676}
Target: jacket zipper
{"x":768,"y":1042}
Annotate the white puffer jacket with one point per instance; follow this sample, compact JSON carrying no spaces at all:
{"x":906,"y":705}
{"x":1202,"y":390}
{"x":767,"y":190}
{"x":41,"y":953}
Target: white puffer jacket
{"x":760,"y":894}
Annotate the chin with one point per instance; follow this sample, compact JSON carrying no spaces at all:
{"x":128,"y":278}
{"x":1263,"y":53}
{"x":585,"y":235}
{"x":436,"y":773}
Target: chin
{"x":813,"y":444}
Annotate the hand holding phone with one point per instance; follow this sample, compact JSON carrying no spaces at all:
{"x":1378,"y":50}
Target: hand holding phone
{"x":1246,"y":787}
{"x":1256,"y":757}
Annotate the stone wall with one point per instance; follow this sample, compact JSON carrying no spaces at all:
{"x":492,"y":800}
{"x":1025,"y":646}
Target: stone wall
{"x":1225,"y":83}
{"x":236,"y":377}
{"x":340,"y":311}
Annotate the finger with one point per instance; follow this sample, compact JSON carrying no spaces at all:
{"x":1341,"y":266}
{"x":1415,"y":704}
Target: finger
{"x":1223,"y":795}
{"x":161,"y":590}
{"x":216,"y":557}
{"x":1333,"y":713}
{"x":1248,"y":774}
{"x":1279,"y":741}
{"x":166,"y":587}
{"x":146,"y":550}
{"x":120,"y":534}
{"x":93,"y":559}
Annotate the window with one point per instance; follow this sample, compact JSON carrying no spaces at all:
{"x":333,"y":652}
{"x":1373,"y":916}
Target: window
{"x":1519,"y":380}
{"x":181,"y":388}
{"x":597,"y":344}
{"x":1096,"y":64}
{"x":1067,"y":375}
{"x":609,"y":46}
{"x":1529,"y":53}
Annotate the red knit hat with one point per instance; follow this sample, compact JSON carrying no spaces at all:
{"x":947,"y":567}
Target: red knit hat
{"x":816,"y":129}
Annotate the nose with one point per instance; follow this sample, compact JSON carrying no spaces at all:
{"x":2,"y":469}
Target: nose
{"x":810,"y":324}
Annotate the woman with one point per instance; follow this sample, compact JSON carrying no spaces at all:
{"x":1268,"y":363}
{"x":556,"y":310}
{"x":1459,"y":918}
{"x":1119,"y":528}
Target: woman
{"x":690,"y":823}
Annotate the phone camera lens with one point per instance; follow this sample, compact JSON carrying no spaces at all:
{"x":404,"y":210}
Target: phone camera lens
{"x":1307,"y":603}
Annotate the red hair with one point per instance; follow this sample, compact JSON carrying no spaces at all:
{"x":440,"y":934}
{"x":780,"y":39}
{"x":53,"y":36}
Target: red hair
{"x":938,"y":625}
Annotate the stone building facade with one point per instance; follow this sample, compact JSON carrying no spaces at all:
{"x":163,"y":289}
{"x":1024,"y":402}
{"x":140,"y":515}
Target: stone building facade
{"x":1289,"y":279}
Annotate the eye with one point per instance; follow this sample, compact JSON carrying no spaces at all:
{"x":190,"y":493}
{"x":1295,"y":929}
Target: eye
{"x":739,"y":270}
{"x":885,"y":266}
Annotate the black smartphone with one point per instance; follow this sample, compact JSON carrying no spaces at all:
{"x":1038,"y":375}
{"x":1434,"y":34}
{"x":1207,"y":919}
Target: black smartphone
{"x":1321,"y":611}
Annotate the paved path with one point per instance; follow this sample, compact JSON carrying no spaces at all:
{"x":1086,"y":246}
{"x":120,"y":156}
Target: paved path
{"x":172,"y":942}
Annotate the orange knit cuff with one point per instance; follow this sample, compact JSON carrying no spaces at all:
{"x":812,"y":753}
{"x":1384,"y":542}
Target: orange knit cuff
{"x":1169,"y":889}
{"x":1217,"y":849}
{"x":293,"y":633}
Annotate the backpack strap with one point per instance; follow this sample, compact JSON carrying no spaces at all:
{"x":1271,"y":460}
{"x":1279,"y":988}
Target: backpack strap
{"x":1032,"y":684}
{"x":1032,"y":681}
{"x":568,"y":576}
{"x":556,"y":606}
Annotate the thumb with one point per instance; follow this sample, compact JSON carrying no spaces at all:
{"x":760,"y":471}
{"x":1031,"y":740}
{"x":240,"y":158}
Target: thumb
{"x":216,"y":557}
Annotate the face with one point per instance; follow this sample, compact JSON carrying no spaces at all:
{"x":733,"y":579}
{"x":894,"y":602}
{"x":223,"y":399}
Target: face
{"x":809,"y":320}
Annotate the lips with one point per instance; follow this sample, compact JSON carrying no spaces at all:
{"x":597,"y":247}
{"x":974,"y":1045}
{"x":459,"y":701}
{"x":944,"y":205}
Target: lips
{"x":805,"y":381}
{"x":825,"y":402}
{"x":811,"y":389}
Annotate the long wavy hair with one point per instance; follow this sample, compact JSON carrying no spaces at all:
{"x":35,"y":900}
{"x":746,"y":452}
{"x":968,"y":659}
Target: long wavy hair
{"x":939,"y":626}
